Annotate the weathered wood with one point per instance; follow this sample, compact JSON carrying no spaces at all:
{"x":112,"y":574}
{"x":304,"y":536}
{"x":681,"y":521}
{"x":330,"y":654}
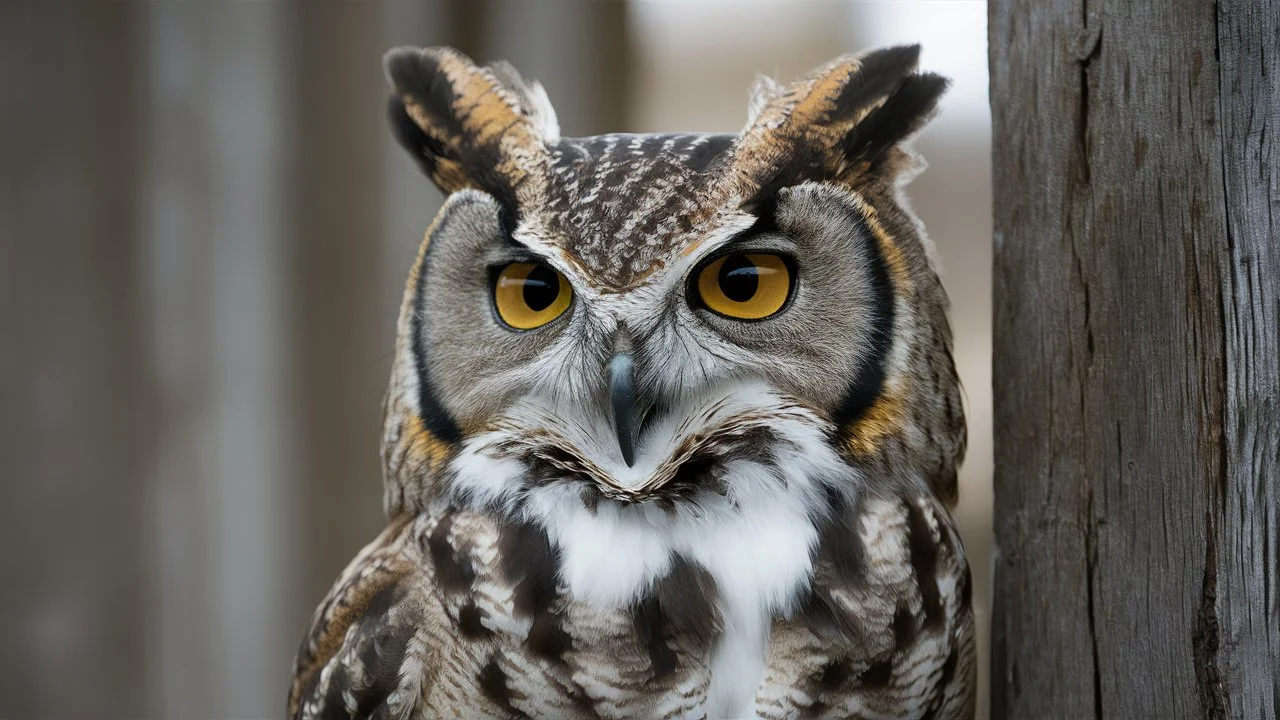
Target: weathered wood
{"x":1248,"y":549}
{"x":1137,"y":337}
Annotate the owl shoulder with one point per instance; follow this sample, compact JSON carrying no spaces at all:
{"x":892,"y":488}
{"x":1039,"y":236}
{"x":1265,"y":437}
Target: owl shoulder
{"x":359,"y":653}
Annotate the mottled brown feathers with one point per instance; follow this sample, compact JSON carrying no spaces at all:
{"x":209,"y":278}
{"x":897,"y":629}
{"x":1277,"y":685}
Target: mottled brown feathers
{"x":354,"y":622}
{"x":791,"y":506}
{"x":395,"y":637}
{"x":467,"y":126}
{"x":835,"y":124}
{"x":884,"y":643}
{"x":687,"y":600}
{"x":470,"y":126}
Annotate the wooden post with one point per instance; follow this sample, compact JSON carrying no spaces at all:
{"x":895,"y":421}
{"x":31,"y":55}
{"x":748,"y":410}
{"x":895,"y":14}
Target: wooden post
{"x":1137,"y":358}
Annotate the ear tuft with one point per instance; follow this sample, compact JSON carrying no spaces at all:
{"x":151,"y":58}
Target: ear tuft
{"x":467,"y":126}
{"x":874,"y":77}
{"x":902,"y":114}
{"x":841,"y":122}
{"x":422,"y":147}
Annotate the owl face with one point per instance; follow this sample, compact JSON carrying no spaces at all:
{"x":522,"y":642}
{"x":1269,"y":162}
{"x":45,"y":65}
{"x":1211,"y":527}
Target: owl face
{"x":521,"y":335}
{"x":628,"y":315}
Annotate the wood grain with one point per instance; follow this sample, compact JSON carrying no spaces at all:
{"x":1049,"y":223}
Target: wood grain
{"x":1137,"y":286}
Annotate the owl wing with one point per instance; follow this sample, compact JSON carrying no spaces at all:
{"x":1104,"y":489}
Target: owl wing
{"x":363,"y":656}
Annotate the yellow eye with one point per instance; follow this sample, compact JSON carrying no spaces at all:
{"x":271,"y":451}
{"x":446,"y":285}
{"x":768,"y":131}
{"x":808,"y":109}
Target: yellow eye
{"x":530,"y":295}
{"x":745,"y":286}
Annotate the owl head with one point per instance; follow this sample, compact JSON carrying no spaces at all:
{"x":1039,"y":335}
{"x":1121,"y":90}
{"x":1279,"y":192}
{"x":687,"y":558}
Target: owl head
{"x":652,"y":320}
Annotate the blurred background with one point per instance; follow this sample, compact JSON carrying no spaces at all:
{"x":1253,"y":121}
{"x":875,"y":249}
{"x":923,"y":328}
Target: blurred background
{"x":204,"y":232}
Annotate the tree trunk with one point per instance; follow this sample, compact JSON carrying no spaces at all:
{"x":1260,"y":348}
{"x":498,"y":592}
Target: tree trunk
{"x":1137,"y":358}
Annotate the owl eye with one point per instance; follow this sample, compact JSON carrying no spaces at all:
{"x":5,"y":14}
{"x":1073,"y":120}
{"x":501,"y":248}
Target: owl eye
{"x":745,"y":286}
{"x":530,"y":295}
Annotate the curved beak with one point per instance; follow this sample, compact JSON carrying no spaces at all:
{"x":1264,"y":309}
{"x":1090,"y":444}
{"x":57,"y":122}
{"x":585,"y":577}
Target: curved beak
{"x":622,"y":393}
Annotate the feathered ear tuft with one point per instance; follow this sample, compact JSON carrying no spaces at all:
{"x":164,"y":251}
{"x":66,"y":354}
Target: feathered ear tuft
{"x":901,"y":115}
{"x":467,"y":126}
{"x":842,"y":122}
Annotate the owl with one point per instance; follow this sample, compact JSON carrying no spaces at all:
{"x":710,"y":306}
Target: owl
{"x":673,"y":423}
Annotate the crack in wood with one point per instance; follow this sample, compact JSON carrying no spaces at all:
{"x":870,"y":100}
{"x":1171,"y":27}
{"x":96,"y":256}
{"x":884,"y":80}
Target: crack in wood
{"x":1205,"y":636}
{"x":1205,"y":642}
{"x":1087,"y":44}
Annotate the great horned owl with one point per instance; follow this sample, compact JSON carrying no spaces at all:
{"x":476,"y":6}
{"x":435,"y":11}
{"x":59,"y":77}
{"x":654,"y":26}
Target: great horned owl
{"x":673,"y":423}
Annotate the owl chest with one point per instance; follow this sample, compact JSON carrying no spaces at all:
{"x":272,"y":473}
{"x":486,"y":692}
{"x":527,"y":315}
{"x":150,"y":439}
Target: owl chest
{"x":633,"y":613}
{"x":622,"y":619}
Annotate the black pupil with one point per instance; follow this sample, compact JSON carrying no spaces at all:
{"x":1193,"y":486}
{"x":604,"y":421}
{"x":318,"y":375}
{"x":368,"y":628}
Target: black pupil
{"x":541,"y":288}
{"x":739,"y":278}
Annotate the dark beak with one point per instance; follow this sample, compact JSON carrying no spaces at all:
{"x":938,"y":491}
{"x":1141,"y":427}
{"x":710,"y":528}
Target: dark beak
{"x":622,"y":393}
